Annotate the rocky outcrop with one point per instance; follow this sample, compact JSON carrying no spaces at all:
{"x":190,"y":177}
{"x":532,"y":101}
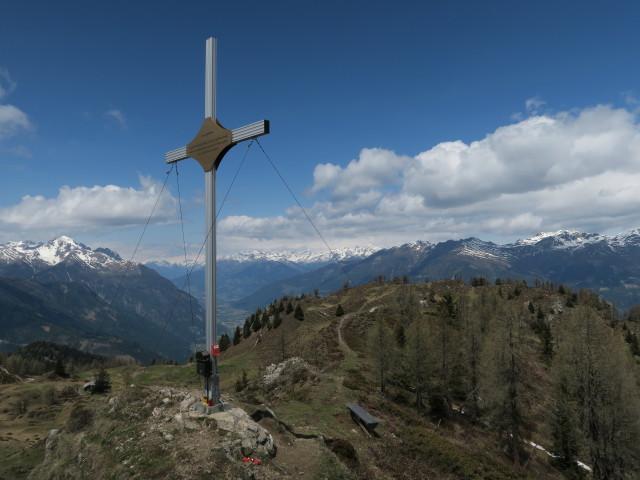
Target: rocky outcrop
{"x":175,"y":415}
{"x":7,"y":377}
{"x":250,"y":437}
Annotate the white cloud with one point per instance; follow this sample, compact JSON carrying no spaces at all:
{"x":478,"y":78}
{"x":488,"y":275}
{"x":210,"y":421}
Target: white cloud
{"x":88,"y":209}
{"x":12,"y":120}
{"x":374,"y":168}
{"x":532,"y":105}
{"x":6,"y":84}
{"x":578,"y":169}
{"x":118,"y":116}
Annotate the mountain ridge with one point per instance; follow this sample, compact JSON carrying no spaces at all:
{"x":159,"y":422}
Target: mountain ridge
{"x":134,"y":301}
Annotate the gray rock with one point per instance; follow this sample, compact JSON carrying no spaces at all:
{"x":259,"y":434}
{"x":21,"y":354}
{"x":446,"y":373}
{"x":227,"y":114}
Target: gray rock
{"x":52,"y":440}
{"x":184,"y":423}
{"x":253,"y":438}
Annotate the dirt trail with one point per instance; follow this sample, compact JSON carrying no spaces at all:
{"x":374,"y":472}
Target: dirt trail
{"x":300,"y":458}
{"x":341,"y":341}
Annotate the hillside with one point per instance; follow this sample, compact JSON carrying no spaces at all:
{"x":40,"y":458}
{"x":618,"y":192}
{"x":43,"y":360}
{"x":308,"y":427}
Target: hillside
{"x":63,"y":291}
{"x":466,"y":382}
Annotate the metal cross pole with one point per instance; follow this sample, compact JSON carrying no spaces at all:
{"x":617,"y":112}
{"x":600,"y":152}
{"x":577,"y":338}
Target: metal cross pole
{"x":208,"y":147}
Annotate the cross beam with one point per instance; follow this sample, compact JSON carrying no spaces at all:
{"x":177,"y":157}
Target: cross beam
{"x":238,"y":135}
{"x":208,"y":147}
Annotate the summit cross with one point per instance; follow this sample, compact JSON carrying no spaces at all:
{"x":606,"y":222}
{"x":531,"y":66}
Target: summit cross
{"x":208,"y":147}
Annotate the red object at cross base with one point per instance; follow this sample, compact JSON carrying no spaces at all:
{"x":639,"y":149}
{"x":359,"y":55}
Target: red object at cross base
{"x":215,"y":349}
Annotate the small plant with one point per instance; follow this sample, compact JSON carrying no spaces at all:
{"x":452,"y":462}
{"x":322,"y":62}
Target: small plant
{"x":242,"y":383}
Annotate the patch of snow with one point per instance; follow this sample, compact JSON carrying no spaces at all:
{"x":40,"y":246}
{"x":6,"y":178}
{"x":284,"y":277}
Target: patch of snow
{"x":306,"y":256}
{"x":55,"y":251}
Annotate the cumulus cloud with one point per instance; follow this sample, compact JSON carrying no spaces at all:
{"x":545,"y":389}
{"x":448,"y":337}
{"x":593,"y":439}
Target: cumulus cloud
{"x":90,"y":209}
{"x":577,"y":169}
{"x":12,"y":120}
{"x":6,"y":84}
{"x":534,"y":104}
{"x":118,"y":116}
{"x":374,"y":168}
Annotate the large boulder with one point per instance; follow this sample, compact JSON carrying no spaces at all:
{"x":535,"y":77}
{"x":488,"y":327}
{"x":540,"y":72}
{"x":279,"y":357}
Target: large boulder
{"x":252,"y":438}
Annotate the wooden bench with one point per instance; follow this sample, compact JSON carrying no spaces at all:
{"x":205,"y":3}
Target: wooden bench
{"x":362,"y":418}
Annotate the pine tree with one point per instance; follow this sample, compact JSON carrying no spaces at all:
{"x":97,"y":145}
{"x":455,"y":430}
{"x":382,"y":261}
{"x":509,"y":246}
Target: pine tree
{"x":532,"y":309}
{"x":506,"y":388}
{"x":632,"y":339}
{"x":473,"y":352}
{"x":224,"y":342}
{"x":298,"y":314}
{"x":289,"y":308}
{"x":237,"y":336}
{"x":59,"y":368}
{"x":601,"y":382}
{"x":339,"y":311}
{"x":416,"y":365}
{"x":447,"y":345}
{"x":565,"y":433}
{"x":102,"y":382}
{"x":277,"y":320}
{"x":382,"y":351}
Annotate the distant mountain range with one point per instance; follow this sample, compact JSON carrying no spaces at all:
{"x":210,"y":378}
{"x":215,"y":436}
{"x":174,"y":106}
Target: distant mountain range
{"x":63,"y":291}
{"x":609,"y":265}
{"x":246,"y":272}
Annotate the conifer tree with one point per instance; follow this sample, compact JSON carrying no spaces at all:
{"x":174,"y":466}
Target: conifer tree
{"x":506,"y":388}
{"x":102,"y":382}
{"x":59,"y":368}
{"x":532,"y":309}
{"x":600,"y":380}
{"x":224,"y":342}
{"x":471,"y":354}
{"x":277,"y":320}
{"x":382,"y":349}
{"x":237,"y":336}
{"x":447,"y":347}
{"x":339,"y":311}
{"x":565,"y":433}
{"x":298,"y":314}
{"x":416,"y":360}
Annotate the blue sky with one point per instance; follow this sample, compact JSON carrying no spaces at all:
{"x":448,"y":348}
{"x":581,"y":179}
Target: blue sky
{"x":390,"y":121}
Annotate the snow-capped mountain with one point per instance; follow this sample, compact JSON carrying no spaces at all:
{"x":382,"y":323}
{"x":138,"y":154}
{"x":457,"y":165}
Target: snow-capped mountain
{"x":37,"y":256}
{"x":307,"y":256}
{"x":131,"y":298}
{"x":609,"y":265}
